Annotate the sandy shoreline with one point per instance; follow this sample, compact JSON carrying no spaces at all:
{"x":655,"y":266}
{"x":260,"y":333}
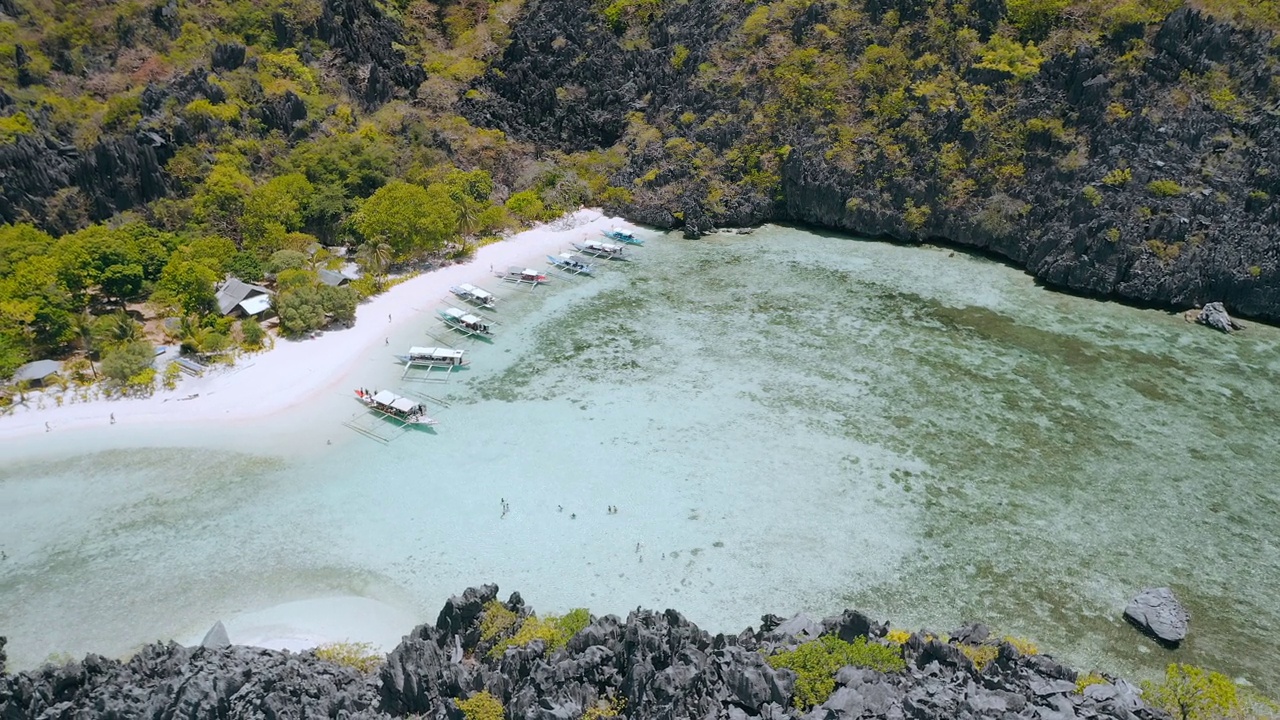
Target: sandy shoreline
{"x":304,"y":624}
{"x":293,"y":371}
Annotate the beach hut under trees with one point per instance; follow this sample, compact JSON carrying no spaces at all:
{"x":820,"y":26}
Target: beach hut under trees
{"x":332,"y":278}
{"x":37,"y":373}
{"x":238,"y":298}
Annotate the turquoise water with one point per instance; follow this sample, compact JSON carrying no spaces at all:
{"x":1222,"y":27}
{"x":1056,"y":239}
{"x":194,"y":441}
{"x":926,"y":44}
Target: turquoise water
{"x":786,"y":421}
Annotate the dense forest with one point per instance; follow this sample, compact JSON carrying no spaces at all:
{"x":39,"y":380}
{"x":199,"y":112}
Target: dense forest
{"x":149,"y":149}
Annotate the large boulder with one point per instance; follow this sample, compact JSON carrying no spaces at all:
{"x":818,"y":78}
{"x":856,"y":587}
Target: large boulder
{"x":1215,"y":316}
{"x":1157,"y":612}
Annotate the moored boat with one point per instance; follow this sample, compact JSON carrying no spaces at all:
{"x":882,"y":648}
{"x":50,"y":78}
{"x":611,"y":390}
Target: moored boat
{"x":474,"y":295}
{"x":599,"y":249}
{"x":395,"y":406}
{"x":569,"y":262}
{"x":466,"y":322}
{"x":518,"y":274}
{"x":623,"y":236}
{"x":434,"y":357}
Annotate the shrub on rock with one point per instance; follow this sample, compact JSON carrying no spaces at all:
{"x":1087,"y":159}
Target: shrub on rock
{"x":815,"y":664}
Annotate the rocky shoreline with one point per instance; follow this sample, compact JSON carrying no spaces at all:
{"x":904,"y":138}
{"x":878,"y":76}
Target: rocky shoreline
{"x":650,"y":665}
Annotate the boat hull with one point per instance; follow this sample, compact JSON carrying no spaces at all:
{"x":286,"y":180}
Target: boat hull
{"x":600,"y":252}
{"x":456,"y":324}
{"x":570,"y":267}
{"x":426,"y":362}
{"x":622,"y":238}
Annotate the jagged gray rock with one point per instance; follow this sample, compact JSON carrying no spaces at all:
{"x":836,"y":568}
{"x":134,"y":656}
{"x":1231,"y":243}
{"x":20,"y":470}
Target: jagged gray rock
{"x":216,"y":637}
{"x":1215,"y":316}
{"x":1157,"y":612}
{"x":659,"y":665}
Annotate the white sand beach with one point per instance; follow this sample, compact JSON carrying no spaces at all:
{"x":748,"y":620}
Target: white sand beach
{"x":293,"y":371}
{"x":305,"y":624}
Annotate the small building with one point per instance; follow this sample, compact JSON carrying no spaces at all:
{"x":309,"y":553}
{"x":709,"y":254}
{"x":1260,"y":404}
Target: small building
{"x":332,"y":278}
{"x":37,"y":373}
{"x":238,"y":298}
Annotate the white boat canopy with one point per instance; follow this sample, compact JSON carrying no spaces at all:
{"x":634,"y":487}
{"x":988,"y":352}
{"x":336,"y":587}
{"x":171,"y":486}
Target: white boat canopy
{"x":455,"y":313}
{"x":435,"y":352}
{"x":386,"y":397}
{"x":404,"y":405}
{"x":475,"y":291}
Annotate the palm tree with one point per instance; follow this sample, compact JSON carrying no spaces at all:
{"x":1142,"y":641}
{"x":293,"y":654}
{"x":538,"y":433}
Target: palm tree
{"x":84,"y":329}
{"x":468,"y":217}
{"x":323,"y":259}
{"x":121,"y":328}
{"x":374,"y":258}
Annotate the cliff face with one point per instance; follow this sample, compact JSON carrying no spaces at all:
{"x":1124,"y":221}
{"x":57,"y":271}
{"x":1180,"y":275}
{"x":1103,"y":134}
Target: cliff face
{"x":839,"y":115}
{"x":652,"y":665}
{"x":47,"y":180}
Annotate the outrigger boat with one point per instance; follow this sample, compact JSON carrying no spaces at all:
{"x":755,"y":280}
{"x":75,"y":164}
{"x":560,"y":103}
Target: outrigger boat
{"x":517,"y":274}
{"x":465,"y":322}
{"x":622,"y":236}
{"x":434,"y":357}
{"x":394,"y":406}
{"x":601,"y":249}
{"x":569,"y":262}
{"x":474,"y":295}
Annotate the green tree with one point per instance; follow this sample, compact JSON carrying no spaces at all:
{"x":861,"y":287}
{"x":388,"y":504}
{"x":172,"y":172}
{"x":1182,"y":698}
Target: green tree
{"x":36,"y":304}
{"x":19,"y":242}
{"x":121,"y":282}
{"x":1192,"y":693}
{"x":339,"y":303}
{"x":355,"y":162}
{"x":140,"y":244}
{"x":85,"y":325}
{"x":187,"y":286}
{"x":246,"y":266}
{"x":409,"y":218}
{"x":526,"y":205}
{"x":474,"y":185}
{"x":300,"y":311}
{"x":311,"y":307}
{"x":282,"y":260}
{"x":252,"y":333}
{"x":273,"y":209}
{"x":220,"y":201}
{"x":374,"y":258}
{"x":212,"y":251}
{"x":295,"y":279}
{"x":12,"y":355}
{"x":127,"y":362}
{"x":115,"y":330}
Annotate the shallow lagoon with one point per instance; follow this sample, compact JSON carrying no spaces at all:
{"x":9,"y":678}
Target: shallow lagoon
{"x":786,"y":421}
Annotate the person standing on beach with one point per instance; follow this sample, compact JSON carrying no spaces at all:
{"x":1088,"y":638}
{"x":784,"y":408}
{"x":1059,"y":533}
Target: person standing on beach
{"x":113,"y":418}
{"x":388,"y":317}
{"x":46,"y":427}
